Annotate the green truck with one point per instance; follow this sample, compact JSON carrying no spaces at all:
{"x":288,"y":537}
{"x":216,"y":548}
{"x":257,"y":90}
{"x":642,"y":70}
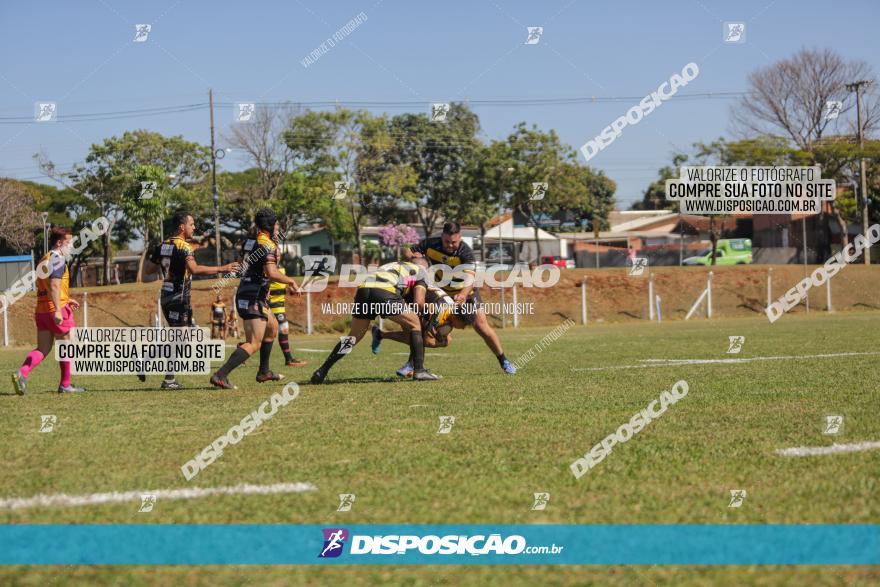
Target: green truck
{"x":728,"y":251}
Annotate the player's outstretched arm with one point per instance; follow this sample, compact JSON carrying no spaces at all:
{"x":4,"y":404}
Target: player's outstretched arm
{"x":197,"y":269}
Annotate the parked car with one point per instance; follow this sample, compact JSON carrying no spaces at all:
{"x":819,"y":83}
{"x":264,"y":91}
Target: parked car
{"x":558,"y":261}
{"x":732,"y":251}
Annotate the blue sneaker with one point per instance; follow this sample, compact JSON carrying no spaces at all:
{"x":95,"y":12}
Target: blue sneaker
{"x":508,"y":367}
{"x":377,"y":339}
{"x":406,"y":370}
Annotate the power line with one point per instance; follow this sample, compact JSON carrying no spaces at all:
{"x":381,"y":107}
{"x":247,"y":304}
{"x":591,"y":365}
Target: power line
{"x":407,"y":104}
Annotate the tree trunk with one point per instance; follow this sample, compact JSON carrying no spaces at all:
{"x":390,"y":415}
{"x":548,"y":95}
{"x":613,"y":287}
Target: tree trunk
{"x":842,"y":224}
{"x":482,"y":242}
{"x":105,"y":241}
{"x":713,"y":237}
{"x":143,"y":255}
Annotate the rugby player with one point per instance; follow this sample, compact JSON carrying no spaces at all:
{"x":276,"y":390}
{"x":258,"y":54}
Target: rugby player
{"x":382,"y":294}
{"x":260,"y":253}
{"x":218,"y":318}
{"x":449,"y":249}
{"x":437,"y":324}
{"x":54,"y":311}
{"x":277,"y":305}
{"x":175,"y":259}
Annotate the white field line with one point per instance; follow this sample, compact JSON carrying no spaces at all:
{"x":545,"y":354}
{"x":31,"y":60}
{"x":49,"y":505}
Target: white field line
{"x":650,"y":363}
{"x":809,"y":451}
{"x":63,"y":499}
{"x":313,"y":350}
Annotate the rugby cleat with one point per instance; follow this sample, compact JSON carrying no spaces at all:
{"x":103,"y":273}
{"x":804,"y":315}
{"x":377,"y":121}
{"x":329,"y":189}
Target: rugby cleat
{"x":269,"y":376}
{"x":172,"y":384}
{"x":425,"y":375}
{"x":19,"y":383}
{"x":221,"y":383}
{"x":377,"y":339}
{"x":508,"y":367}
{"x":70,"y":389}
{"x":142,"y":377}
{"x":406,"y":370}
{"x":318,"y":377}
{"x":294,"y":362}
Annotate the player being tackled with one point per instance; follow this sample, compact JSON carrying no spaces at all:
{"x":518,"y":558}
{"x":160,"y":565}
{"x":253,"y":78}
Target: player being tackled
{"x":382,"y":294}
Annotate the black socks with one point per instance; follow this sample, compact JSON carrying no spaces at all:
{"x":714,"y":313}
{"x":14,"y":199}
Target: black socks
{"x":237,"y":358}
{"x":265,"y":353}
{"x":417,"y":349}
{"x":501,"y":359}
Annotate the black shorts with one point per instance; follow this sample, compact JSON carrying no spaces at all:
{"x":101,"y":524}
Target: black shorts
{"x":177,"y":313}
{"x":251,"y":303}
{"x":370,"y":302}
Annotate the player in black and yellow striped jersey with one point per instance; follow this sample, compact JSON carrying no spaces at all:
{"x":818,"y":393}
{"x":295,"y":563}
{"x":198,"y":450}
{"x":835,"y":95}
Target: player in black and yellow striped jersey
{"x":382,"y":294}
{"x":448,"y":249}
{"x":259,"y":269}
{"x":277,"y":296}
{"x":174,"y":258}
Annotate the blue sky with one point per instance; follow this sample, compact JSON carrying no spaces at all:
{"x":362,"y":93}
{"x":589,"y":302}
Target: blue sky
{"x":81,"y":55}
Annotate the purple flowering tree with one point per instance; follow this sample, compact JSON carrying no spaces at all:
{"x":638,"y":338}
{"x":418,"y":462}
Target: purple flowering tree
{"x":398,"y":235}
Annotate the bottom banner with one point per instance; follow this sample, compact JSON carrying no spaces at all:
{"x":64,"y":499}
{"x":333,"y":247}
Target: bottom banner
{"x":395,"y":544}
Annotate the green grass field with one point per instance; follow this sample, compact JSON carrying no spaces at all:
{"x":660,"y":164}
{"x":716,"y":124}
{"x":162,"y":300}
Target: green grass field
{"x":372,"y":435}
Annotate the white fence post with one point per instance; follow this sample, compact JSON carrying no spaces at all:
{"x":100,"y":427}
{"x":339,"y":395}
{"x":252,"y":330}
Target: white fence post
{"x":308,"y":312}
{"x":584,"y":301}
{"x":651,"y":297}
{"x":5,"y":321}
{"x":515,"y":312}
{"x":659,"y":315}
{"x":769,"y":286}
{"x":85,"y":309}
{"x":829,"y":308}
{"x":709,"y":296}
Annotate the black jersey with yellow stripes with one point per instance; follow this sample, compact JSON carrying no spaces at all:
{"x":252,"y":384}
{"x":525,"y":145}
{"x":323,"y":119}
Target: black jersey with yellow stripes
{"x":399,"y":278}
{"x":463,"y":258}
{"x":256,"y":252}
{"x":172,"y":255}
{"x":277,"y":292}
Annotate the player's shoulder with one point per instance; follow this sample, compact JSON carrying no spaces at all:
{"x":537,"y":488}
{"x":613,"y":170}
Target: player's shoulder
{"x":178,"y":244}
{"x":264,"y":240}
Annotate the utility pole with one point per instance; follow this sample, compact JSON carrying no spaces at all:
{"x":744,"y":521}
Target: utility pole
{"x":857,"y":88}
{"x":214,"y":180}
